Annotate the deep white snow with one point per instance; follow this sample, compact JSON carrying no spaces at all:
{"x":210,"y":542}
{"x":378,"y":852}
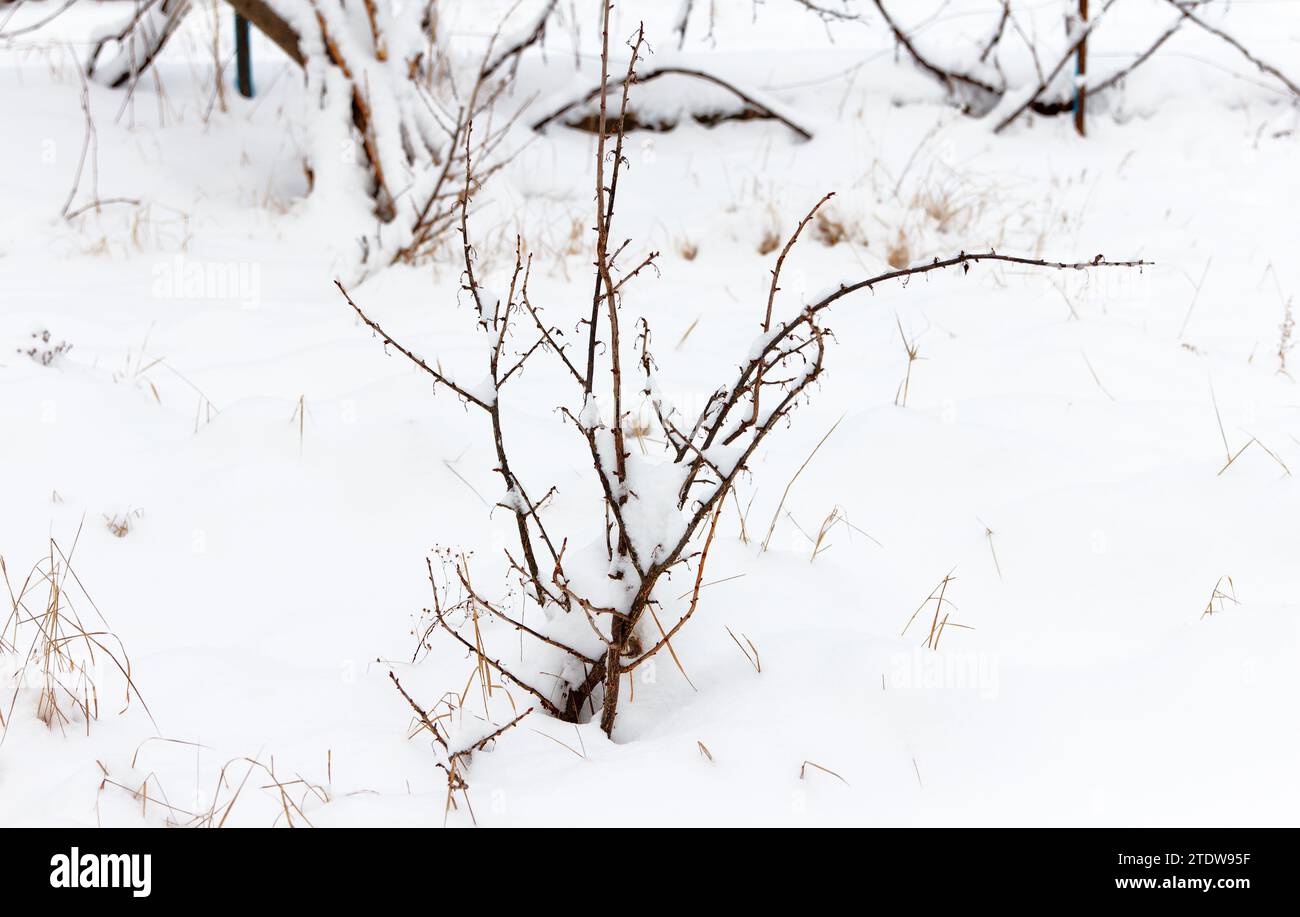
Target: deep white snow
{"x":1061,"y":451}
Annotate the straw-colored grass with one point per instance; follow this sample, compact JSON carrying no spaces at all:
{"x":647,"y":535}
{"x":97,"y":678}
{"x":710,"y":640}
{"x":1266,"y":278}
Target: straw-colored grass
{"x":62,"y":646}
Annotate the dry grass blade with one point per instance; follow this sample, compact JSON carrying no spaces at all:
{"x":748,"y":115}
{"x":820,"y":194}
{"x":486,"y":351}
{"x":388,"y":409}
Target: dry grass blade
{"x":300,"y":415}
{"x":57,"y":654}
{"x":988,"y":533}
{"x":827,"y":524}
{"x":291,"y":808}
{"x":753,"y":660}
{"x":803,"y":771}
{"x":1220,"y":596}
{"x":1227,"y":450}
{"x":1095,"y":377}
{"x":940,"y":620}
{"x":1271,"y":454}
{"x":1196,"y":296}
{"x":671,"y":652}
{"x":687,"y":333}
{"x":1236,"y":455}
{"x":776,"y":515}
{"x":913,"y":351}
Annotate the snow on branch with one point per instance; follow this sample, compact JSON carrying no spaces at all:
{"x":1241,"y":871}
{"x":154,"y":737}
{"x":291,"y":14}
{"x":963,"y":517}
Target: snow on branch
{"x":591,"y":606}
{"x":742,"y":105}
{"x":139,"y":38}
{"x":512,"y":47}
{"x":981,"y":88}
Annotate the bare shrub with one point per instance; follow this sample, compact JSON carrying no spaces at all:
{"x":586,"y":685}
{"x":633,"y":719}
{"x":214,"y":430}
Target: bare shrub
{"x":596,"y":609}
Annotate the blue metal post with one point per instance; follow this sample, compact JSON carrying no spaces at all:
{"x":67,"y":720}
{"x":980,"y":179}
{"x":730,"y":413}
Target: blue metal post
{"x":243,"y":60}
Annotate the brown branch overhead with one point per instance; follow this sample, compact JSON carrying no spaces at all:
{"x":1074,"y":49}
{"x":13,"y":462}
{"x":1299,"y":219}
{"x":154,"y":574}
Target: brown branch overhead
{"x":267,"y":21}
{"x":773,"y":352}
{"x":962,"y":258}
{"x":713,"y":420}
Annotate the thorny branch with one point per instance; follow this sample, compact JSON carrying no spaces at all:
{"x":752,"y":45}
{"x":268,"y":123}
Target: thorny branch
{"x":706,"y":454}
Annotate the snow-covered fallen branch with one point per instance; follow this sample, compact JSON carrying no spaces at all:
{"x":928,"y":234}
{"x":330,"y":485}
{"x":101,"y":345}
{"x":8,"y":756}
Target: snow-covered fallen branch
{"x":741,"y":105}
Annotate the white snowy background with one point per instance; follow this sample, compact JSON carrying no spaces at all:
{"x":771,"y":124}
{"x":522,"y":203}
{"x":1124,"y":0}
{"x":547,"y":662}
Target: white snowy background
{"x":1060,"y":452}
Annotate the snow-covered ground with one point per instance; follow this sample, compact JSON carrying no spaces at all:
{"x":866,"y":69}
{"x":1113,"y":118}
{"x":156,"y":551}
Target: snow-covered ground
{"x":1060,"y":452}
